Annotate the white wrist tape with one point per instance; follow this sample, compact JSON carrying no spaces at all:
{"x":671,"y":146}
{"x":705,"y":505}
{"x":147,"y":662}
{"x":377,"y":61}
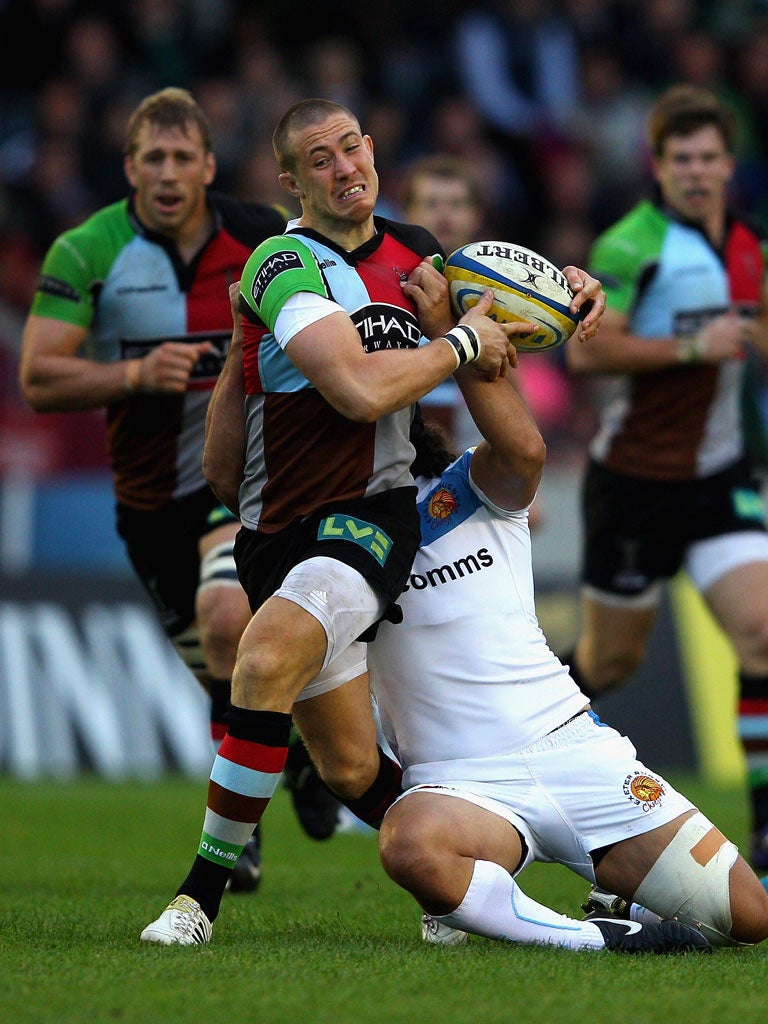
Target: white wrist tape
{"x":466,"y":343}
{"x":691,"y":348}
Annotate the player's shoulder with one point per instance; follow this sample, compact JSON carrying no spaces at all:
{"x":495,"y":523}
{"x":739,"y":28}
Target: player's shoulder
{"x":279,"y":267}
{"x":278,"y":253}
{"x":248,"y":222}
{"x":413,"y":236}
{"x":751,"y":225}
{"x":95,"y":241}
{"x":644,"y":218}
{"x":633,"y":240}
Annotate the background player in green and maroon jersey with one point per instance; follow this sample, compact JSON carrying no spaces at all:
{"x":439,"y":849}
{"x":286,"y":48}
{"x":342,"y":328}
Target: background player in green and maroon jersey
{"x":132,"y":313}
{"x":669,"y":483}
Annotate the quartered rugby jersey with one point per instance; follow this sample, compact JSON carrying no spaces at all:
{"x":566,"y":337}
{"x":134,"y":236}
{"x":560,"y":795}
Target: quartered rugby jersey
{"x":130,"y":288}
{"x":303,"y":454}
{"x":470,"y":589}
{"x":681,"y":422}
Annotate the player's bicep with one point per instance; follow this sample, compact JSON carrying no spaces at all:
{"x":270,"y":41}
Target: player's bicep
{"x":329,"y":354}
{"x":46,"y":337}
{"x":511,"y":488}
{"x":48,"y":350}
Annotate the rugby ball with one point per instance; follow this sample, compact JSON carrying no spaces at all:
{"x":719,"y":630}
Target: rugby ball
{"x":525,"y":285}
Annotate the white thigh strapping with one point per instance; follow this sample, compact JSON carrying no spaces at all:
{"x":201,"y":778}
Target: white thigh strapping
{"x":691,"y":879}
{"x":218,"y":568}
{"x":707,"y":561}
{"x":338,"y":596}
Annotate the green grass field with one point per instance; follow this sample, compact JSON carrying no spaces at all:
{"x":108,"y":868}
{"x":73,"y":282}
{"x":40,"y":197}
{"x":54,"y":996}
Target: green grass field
{"x":85,"y":865}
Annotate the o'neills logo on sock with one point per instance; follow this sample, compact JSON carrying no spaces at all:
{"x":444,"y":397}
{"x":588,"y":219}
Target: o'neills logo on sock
{"x":217,"y":851}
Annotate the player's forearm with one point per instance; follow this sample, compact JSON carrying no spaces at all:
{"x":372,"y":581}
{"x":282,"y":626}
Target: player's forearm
{"x":68,"y":384}
{"x":621,"y":352}
{"x":503,"y":419}
{"x":384,"y":382}
{"x":225,"y":434}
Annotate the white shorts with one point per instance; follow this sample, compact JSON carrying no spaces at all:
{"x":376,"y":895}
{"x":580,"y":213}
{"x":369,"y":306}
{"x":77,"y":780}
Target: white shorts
{"x":707,"y":561}
{"x":577,"y":789}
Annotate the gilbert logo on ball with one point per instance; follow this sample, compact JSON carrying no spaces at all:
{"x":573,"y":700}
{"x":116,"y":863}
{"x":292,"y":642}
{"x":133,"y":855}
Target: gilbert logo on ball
{"x":526,"y":287}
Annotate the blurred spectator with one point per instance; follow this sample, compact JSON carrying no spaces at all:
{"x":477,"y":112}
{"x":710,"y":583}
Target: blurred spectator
{"x":649,"y":36}
{"x":266,"y":87}
{"x":751,"y":79}
{"x":333,"y":67}
{"x":611,"y":123}
{"x":518,"y":63}
{"x":220,"y":98}
{"x":163,"y":41}
{"x":257,"y":179}
{"x":456,"y":128}
{"x":32,"y":36}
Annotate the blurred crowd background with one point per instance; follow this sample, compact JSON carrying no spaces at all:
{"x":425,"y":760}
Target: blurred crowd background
{"x":546,"y":100}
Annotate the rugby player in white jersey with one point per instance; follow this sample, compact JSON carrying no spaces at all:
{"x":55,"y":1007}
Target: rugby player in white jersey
{"x":504,"y":762}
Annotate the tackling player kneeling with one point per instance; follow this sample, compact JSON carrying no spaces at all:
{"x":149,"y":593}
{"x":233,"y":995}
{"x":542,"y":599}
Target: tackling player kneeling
{"x":504,"y":761}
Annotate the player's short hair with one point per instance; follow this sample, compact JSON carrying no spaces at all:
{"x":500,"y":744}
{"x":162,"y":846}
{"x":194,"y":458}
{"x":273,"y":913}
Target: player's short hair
{"x":683,"y":110}
{"x":447,"y":168}
{"x":169,"y":108}
{"x":299,"y":116}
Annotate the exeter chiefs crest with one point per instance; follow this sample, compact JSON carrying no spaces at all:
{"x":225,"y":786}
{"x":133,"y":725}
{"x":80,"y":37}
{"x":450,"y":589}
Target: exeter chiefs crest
{"x":643,"y":790}
{"x":441,"y":504}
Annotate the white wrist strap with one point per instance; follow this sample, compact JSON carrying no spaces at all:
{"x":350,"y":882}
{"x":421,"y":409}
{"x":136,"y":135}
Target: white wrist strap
{"x":466,"y":343}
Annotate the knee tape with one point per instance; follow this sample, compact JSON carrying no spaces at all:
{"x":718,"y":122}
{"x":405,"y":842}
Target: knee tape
{"x":187,"y":645}
{"x":690,"y":880}
{"x":218,"y":568}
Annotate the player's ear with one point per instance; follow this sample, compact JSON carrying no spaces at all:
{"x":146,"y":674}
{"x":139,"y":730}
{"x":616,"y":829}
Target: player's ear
{"x":289,"y":183}
{"x":128,"y":168}
{"x":210,"y":167}
{"x":368,"y":143}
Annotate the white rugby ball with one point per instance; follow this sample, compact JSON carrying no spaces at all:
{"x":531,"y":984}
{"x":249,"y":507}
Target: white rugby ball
{"x":526,"y":286}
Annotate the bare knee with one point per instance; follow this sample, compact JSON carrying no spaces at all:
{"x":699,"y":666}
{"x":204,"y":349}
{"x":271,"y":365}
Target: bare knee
{"x":347,"y":773}
{"x":606,"y":670}
{"x":749,"y":905}
{"x":222,"y":615}
{"x":411,"y":854}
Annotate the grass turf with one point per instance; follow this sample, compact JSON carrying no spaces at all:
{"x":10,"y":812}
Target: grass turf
{"x":85,"y":865}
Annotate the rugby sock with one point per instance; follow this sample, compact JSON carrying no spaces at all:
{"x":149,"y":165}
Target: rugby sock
{"x":219,"y":694}
{"x":244,"y":776}
{"x":495,"y":906}
{"x":380,"y":795}
{"x":569,"y":660}
{"x":753,"y":732}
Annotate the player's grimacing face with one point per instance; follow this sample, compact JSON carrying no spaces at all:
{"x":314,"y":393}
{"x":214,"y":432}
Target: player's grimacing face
{"x":335,"y":178}
{"x":694,"y":172}
{"x":169,"y":171}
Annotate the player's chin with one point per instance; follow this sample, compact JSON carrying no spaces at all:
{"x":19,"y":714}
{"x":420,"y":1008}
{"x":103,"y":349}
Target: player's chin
{"x":358,"y":210}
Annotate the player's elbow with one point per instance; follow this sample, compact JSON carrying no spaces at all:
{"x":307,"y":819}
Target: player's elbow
{"x":359,"y":405}
{"x":34,"y":393}
{"x":526,"y":465}
{"x":225,"y":486}
{"x":531,"y":456}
